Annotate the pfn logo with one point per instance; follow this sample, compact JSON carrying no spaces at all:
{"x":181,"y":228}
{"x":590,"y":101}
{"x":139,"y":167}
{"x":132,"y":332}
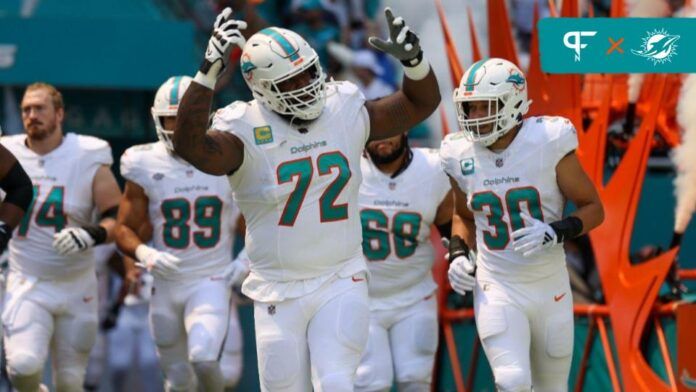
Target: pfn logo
{"x":576,"y":43}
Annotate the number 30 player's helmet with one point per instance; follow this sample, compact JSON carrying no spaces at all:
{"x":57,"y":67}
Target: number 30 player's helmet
{"x":504,"y":86}
{"x":166,"y":104}
{"x":274,"y":55}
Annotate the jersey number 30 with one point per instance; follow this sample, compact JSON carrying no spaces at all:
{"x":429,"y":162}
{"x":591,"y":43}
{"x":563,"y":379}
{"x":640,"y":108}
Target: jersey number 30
{"x":303,"y":170}
{"x":513,"y":199}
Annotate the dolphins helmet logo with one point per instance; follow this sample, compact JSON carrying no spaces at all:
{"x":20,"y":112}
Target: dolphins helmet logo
{"x":247,"y":67}
{"x":658,"y":46}
{"x":516,"y":79}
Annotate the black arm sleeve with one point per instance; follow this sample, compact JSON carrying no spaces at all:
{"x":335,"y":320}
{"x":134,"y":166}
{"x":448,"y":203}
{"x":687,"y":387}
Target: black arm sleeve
{"x":18,"y":187}
{"x":445,"y":229}
{"x":98,"y":233}
{"x":111,"y":212}
{"x":457,"y":248}
{"x":567,"y":228}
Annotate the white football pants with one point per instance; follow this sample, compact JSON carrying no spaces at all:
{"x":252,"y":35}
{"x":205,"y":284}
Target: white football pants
{"x":402,"y":343}
{"x":526,"y":330}
{"x":231,"y":361}
{"x":56,"y":314}
{"x":315,"y":340}
{"x":188,"y":320}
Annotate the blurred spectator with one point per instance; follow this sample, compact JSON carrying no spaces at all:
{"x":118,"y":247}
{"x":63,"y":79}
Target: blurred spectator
{"x":355,"y":18}
{"x":645,"y":253}
{"x":133,"y":360}
{"x":602,"y":8}
{"x":582,"y":270}
{"x":523,"y":18}
{"x":315,"y":27}
{"x":368,"y":72}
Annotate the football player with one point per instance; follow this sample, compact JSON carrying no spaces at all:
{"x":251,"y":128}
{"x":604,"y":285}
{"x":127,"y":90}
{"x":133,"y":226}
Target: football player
{"x":192,"y":217}
{"x":511,"y":178}
{"x":18,"y":193}
{"x":403,"y":193}
{"x":51,"y":298}
{"x":293,"y":158}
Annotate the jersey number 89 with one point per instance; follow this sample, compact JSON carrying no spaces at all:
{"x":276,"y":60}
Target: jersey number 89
{"x":207,"y":211}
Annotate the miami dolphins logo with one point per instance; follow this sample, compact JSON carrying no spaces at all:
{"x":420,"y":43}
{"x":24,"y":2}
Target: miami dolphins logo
{"x":516,"y":79}
{"x":687,"y":381}
{"x":247,"y":67}
{"x":658,"y":47}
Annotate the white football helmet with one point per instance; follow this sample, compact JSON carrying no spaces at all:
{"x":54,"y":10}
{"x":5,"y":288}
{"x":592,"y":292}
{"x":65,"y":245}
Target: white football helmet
{"x":504,"y":86}
{"x":166,"y":104}
{"x":274,"y":55}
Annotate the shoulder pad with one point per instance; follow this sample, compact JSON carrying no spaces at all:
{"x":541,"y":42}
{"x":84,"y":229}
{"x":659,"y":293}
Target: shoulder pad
{"x":224,"y":117}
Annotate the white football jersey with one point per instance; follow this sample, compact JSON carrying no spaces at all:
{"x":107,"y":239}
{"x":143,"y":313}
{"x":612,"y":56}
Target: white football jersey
{"x":191,"y":212}
{"x":397,"y":214}
{"x":299,"y":192}
{"x":501,"y":185}
{"x":62,"y":198}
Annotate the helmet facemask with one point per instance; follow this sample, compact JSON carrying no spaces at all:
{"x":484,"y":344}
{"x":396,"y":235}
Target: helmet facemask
{"x":166,"y":104}
{"x":305,"y":103}
{"x":487,"y":129}
{"x":503,"y":86}
{"x":164,"y":135}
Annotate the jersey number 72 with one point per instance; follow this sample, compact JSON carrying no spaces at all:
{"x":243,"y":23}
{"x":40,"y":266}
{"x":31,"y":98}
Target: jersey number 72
{"x":303,"y":170}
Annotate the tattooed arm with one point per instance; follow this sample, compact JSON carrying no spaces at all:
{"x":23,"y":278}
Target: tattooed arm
{"x":397,"y":113}
{"x":213,"y":152}
{"x":420,"y":94}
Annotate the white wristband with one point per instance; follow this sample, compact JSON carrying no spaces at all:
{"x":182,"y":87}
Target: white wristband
{"x":418,"y":72}
{"x":205,"y":80}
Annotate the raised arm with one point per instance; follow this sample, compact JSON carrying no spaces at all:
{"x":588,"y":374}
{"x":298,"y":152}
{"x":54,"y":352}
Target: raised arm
{"x":212,"y":152}
{"x":419,"y":95}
